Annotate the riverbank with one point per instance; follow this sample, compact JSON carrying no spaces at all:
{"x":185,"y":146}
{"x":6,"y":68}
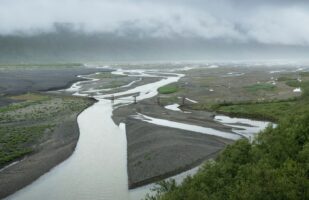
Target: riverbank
{"x":154,"y":151}
{"x":149,"y":146}
{"x":157,"y":152}
{"x":45,"y":130}
{"x":38,"y":130}
{"x":16,"y":80}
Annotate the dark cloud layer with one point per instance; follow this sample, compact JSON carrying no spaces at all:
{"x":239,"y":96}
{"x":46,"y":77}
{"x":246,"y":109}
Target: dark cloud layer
{"x":77,"y":30}
{"x":283,"y":22}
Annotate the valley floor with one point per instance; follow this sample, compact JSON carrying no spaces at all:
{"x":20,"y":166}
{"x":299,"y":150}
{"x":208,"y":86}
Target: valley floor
{"x":39,"y":130}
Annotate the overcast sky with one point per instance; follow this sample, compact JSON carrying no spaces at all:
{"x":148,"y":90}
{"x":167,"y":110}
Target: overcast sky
{"x":283,"y":22}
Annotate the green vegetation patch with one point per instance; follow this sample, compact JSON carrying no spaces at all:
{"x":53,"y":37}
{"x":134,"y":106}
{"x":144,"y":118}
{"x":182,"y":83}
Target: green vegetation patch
{"x":293,"y":83}
{"x":270,"y":111}
{"x":14,"y":106}
{"x":26,"y":100}
{"x":304,"y":74}
{"x":275,"y":166}
{"x":23,"y":124}
{"x":260,"y":86}
{"x":168,"y":89}
{"x":40,"y":107}
{"x":16,"y":142}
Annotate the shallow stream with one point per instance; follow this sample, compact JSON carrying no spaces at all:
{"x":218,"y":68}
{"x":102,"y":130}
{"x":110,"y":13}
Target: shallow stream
{"x":97,"y":170}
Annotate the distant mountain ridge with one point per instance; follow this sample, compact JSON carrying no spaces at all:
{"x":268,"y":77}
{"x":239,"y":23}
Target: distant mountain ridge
{"x":65,"y":45}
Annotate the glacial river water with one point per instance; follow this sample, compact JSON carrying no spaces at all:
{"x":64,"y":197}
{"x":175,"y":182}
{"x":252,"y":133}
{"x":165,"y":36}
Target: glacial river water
{"x":97,"y":170}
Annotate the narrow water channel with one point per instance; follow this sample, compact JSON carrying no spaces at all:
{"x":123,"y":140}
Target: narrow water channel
{"x":97,"y":170}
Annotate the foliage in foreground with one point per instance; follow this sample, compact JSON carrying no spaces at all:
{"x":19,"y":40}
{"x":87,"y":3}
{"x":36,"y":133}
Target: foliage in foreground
{"x":275,"y":166}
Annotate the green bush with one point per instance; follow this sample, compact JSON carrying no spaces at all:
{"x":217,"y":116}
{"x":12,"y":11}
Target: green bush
{"x":293,"y":83}
{"x":168,"y":89}
{"x":16,"y":142}
{"x":304,"y":74}
{"x":275,"y":166}
{"x":260,"y":86}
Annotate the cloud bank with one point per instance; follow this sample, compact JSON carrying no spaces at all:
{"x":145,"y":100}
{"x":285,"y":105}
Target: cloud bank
{"x":276,"y":22}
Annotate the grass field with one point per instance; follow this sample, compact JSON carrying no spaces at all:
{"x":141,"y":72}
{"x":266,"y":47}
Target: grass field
{"x":304,"y":74}
{"x":260,"y":86}
{"x":293,"y":83}
{"x":24,"y":124}
{"x":17,"y":141}
{"x":268,"y":110}
{"x":168,"y":89}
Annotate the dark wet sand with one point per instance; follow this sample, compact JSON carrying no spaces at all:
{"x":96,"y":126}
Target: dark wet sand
{"x":157,"y":152}
{"x":20,"y":81}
